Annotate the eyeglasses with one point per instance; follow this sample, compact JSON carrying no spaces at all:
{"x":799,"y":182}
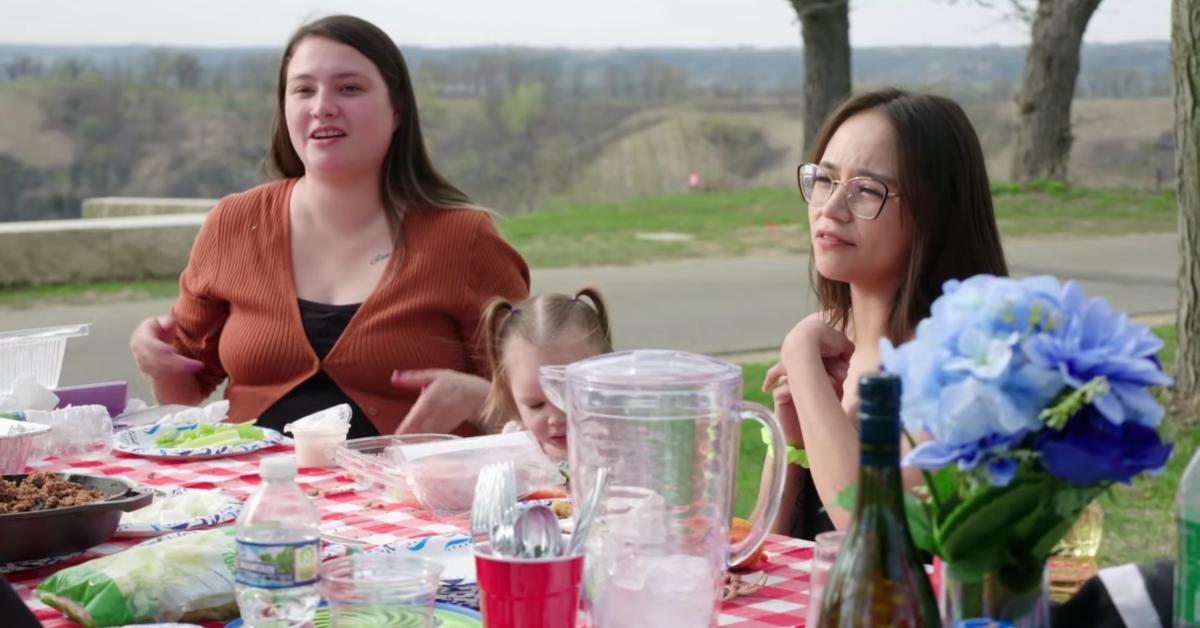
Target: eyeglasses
{"x":865,"y":196}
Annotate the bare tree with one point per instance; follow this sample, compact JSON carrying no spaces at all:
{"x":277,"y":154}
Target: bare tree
{"x":825,"y":28}
{"x":1047,"y":88}
{"x":1185,"y":55}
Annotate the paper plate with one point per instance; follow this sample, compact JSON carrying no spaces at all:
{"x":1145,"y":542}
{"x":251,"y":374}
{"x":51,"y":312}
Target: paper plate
{"x":22,"y":565}
{"x":140,"y":442}
{"x":447,"y":615}
{"x":224,"y":513}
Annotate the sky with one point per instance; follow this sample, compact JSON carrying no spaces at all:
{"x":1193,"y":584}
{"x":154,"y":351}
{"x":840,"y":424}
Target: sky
{"x":548,"y":23}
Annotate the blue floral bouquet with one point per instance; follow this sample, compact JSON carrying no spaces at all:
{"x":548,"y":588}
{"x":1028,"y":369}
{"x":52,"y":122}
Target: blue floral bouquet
{"x":1025,"y":400}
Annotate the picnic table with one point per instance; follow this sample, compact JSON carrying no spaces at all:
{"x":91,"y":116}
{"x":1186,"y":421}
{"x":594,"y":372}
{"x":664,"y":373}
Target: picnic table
{"x":349,"y":511}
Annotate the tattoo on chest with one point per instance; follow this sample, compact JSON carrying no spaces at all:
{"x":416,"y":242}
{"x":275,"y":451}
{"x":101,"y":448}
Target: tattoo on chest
{"x":379,"y":258}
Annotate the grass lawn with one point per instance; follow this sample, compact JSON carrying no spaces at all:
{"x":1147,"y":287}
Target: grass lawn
{"x":1139,"y":520}
{"x":737,"y":222}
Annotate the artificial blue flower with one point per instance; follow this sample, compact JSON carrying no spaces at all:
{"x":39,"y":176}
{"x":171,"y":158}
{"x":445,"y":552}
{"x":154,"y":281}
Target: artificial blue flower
{"x":1095,"y":341}
{"x":932,"y":455}
{"x":966,"y":380}
{"x":1091,"y":449}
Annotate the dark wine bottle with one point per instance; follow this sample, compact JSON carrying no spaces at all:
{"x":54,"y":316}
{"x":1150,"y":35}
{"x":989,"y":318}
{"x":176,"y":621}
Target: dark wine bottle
{"x":878,"y":578}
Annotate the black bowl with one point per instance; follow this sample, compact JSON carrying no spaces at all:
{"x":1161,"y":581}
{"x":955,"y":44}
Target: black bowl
{"x":58,"y":531}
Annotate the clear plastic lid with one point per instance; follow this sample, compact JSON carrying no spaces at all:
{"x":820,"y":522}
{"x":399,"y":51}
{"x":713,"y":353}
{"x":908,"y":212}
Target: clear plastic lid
{"x":38,"y":334}
{"x":653,"y":369}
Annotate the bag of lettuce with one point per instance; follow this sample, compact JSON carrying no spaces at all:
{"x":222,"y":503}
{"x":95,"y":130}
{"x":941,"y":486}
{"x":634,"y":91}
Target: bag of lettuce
{"x":186,"y":578}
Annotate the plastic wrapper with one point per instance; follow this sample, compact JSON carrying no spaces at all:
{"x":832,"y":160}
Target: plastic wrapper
{"x":334,"y":419}
{"x":214,"y":412}
{"x":186,"y":578}
{"x":442,"y":475}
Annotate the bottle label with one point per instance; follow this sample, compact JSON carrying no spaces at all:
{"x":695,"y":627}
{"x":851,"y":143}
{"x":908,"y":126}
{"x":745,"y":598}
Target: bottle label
{"x":1187,"y":570}
{"x":278,"y":565}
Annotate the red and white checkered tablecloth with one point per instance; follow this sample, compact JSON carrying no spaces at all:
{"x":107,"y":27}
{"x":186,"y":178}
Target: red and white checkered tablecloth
{"x":365,"y":515}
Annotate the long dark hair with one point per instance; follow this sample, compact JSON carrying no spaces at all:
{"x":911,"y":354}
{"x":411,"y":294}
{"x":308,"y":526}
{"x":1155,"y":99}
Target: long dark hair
{"x":947,"y":198}
{"x":408,"y":178}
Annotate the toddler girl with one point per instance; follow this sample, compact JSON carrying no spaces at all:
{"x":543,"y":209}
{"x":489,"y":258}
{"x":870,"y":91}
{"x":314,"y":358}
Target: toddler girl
{"x":545,"y":330}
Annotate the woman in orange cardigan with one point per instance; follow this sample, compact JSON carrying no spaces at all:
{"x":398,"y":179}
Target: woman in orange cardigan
{"x":359,"y":276}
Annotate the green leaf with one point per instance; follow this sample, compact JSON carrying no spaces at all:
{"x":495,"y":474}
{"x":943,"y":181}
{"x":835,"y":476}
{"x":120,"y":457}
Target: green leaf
{"x":919,"y":525}
{"x":845,"y":499}
{"x":985,"y":519}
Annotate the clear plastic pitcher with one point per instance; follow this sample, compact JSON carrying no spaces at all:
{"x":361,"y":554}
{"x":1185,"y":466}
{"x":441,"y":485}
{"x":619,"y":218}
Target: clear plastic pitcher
{"x":667,"y":425}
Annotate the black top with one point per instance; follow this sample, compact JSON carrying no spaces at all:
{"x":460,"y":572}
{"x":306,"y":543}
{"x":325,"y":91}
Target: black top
{"x":323,"y":324}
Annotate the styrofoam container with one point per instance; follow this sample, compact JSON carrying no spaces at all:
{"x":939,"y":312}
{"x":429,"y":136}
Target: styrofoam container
{"x":16,"y":444}
{"x":38,"y":352}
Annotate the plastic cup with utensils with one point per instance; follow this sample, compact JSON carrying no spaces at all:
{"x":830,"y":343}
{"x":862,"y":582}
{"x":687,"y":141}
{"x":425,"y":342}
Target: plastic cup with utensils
{"x":381,"y":590}
{"x":528,"y":592}
{"x":824,"y":555}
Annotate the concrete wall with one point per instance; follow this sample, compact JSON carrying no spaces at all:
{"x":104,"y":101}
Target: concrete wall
{"x":96,"y":249}
{"x":113,"y":206}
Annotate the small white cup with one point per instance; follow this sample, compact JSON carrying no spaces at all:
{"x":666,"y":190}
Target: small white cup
{"x":315,"y":448}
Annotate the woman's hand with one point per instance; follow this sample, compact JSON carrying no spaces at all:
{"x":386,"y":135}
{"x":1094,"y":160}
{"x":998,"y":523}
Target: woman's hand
{"x":814,"y":338}
{"x":785,"y":408}
{"x":448,"y":398}
{"x":154,"y":353}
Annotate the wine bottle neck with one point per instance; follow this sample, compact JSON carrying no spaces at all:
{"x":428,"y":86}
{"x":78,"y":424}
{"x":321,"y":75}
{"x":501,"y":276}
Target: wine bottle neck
{"x":879,"y":474}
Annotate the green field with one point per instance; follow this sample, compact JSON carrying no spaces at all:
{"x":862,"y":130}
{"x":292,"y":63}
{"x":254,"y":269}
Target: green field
{"x":758,"y":221}
{"x":1139,"y":520}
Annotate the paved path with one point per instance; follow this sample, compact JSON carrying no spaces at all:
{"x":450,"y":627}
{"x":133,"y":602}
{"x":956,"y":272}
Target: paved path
{"x":720,"y":306}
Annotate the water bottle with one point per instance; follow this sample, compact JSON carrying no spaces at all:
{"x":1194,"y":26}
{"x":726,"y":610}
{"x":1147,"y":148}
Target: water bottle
{"x":1187,"y":561}
{"x":278,"y":550}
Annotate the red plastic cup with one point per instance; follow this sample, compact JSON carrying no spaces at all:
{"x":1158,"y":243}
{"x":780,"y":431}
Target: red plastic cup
{"x":528,"y":592}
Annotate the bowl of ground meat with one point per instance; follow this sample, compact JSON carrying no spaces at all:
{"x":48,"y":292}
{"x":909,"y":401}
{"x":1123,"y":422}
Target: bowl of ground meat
{"x":50,"y":514}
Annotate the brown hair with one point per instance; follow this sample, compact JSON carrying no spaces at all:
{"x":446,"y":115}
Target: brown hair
{"x":407,"y":176}
{"x":947,"y":198}
{"x":540,"y":321}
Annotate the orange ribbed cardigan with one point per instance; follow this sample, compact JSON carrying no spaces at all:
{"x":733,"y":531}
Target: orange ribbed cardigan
{"x":238,"y":313}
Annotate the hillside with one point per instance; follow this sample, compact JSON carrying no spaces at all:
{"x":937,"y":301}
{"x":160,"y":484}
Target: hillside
{"x":519,"y":128}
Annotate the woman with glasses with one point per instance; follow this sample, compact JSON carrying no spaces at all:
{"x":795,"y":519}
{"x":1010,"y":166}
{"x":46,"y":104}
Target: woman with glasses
{"x":898,"y":203}
{"x":359,"y":276}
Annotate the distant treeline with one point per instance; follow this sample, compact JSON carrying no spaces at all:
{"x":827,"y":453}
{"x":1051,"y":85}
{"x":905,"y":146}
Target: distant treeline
{"x":518,"y":128}
{"x":1108,"y":70}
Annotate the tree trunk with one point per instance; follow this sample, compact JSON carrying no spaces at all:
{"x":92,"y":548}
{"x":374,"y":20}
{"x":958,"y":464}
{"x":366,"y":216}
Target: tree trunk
{"x":1185,"y":55}
{"x":1047,"y":87}
{"x":825,"y":27}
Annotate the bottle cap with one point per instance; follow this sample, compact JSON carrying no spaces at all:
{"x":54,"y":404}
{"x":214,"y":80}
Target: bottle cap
{"x":879,"y":408}
{"x":879,"y":393}
{"x":277,"y":467}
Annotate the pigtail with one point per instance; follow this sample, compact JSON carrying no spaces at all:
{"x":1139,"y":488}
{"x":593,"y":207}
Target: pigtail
{"x":499,"y":405}
{"x":597,"y":303}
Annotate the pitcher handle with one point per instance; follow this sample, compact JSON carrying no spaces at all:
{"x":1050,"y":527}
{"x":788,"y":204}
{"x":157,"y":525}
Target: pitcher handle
{"x":760,"y":526}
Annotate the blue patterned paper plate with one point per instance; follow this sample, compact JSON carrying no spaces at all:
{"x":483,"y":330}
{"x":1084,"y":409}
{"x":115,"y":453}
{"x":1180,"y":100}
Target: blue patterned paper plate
{"x":446,"y":616}
{"x":34,"y":563}
{"x":140,"y":442}
{"x":228,"y":511}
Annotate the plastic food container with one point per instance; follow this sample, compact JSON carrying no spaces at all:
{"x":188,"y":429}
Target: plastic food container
{"x":17,"y":444}
{"x":36,"y":351}
{"x":443,"y":475}
{"x":371,"y":463}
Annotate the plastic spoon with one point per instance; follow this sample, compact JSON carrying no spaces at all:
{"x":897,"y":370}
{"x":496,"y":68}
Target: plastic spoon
{"x":587,"y":513}
{"x":537,"y":533}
